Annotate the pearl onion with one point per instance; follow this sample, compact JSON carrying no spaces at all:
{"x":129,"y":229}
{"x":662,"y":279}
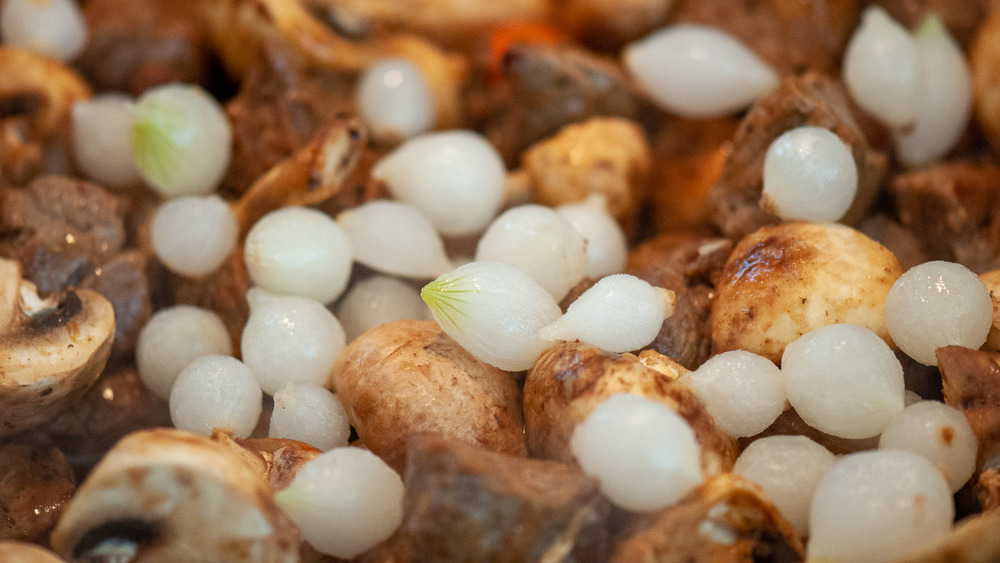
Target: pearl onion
{"x":539,"y":242}
{"x":378,"y":300}
{"x":607,"y":247}
{"x":395,"y":238}
{"x":394,"y":100}
{"x":55,"y":28}
{"x":344,"y":501}
{"x":643,"y":454}
{"x":172,"y":338}
{"x":788,"y":468}
{"x":102,"y":139}
{"x":843,"y":379}
{"x":311,"y":414}
{"x":193,"y":235}
{"x":181,"y":140}
{"x":299,"y":251}
{"x":698,"y":71}
{"x":938,"y":432}
{"x":875,"y":506}
{"x":216,"y":392}
{"x":810,"y":174}
{"x":456,"y":178}
{"x":741,"y":390}
{"x":289,"y":339}
{"x":938,"y":304}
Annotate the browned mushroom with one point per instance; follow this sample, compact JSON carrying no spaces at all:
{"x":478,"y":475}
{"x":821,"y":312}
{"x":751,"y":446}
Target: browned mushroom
{"x":26,"y":553}
{"x":51,"y":350}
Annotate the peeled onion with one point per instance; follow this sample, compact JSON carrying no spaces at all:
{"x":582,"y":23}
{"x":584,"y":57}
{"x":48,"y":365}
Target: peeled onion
{"x":394,"y":238}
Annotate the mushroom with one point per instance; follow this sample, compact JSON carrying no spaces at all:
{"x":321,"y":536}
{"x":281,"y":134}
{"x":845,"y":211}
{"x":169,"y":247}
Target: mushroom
{"x":167,"y":495}
{"x":23,"y":552}
{"x":51,"y":350}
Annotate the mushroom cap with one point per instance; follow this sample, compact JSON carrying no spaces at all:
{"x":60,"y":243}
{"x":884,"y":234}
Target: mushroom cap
{"x":168,"y":495}
{"x":24,"y":552}
{"x":51,"y":350}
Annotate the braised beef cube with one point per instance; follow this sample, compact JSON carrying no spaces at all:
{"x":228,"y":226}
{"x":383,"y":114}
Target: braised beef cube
{"x":35,"y":485}
{"x":953,"y":210}
{"x":464,"y":503}
{"x":811,"y":99}
{"x":223,"y":291}
{"x":971,"y":383}
{"x":124,"y":280}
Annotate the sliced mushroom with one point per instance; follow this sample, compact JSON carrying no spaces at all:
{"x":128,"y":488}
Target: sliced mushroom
{"x":166,"y":495}
{"x":26,"y":553}
{"x":51,"y":350}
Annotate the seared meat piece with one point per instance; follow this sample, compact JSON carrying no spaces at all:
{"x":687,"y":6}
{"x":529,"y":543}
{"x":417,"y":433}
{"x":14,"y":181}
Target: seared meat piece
{"x":136,"y":45}
{"x":223,"y":291}
{"x":971,"y":381}
{"x":35,"y":484}
{"x":464,"y":503}
{"x":792,"y":36}
{"x":125,"y":281}
{"x":688,"y":265}
{"x":953,"y":210}
{"x":810,"y":99}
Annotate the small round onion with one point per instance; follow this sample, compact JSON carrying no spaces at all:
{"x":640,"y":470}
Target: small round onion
{"x":344,"y":501}
{"x":193,"y":235}
{"x":810,"y":174}
{"x":378,"y":300}
{"x":102,"y":139}
{"x":788,"y":468}
{"x":938,"y":432}
{"x":494,"y":311}
{"x":181,"y":140}
{"x":875,"y":506}
{"x":456,"y":178}
{"x":607,"y":247}
{"x":698,"y":71}
{"x":216,"y":392}
{"x":938,"y":304}
{"x":289,"y":339}
{"x":394,"y":100}
{"x":55,"y":28}
{"x":311,"y":414}
{"x":619,"y":313}
{"x":299,"y":251}
{"x":844,"y":380}
{"x":539,"y":242}
{"x":394,"y":238}
{"x":741,"y":390}
{"x":880,"y":69}
{"x":172,"y":338}
{"x":643,"y":454}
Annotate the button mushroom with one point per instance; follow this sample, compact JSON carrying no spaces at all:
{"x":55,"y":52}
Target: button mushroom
{"x":166,"y":495}
{"x":51,"y":350}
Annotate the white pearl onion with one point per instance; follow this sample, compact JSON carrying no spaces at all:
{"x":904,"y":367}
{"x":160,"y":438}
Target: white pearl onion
{"x":539,"y":242}
{"x":937,"y":304}
{"x":809,"y":174}
{"x":494,"y":311}
{"x":938,"y":432}
{"x":945,"y":97}
{"x":344,"y":501}
{"x":102,"y":139}
{"x":394,"y":100}
{"x":311,"y":414}
{"x":876,"y":506}
{"x":216,"y":392}
{"x":299,"y":251}
{"x":55,"y":28}
{"x":395,"y":238}
{"x":193,"y":235}
{"x":698,"y":71}
{"x":843,"y":379}
{"x":644,"y":455}
{"x":378,"y":300}
{"x":619,"y":313}
{"x":172,"y":338}
{"x":456,"y":178}
{"x":289,"y":339}
{"x":788,"y":468}
{"x":741,"y":390}
{"x":607,"y":247}
{"x":880,"y":69}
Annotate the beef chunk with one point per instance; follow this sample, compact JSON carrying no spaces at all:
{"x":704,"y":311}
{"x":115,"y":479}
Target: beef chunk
{"x":953,"y":210}
{"x":223,"y":291}
{"x":35,"y":485}
{"x":810,"y":99}
{"x":971,"y":382}
{"x":124,"y":280}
